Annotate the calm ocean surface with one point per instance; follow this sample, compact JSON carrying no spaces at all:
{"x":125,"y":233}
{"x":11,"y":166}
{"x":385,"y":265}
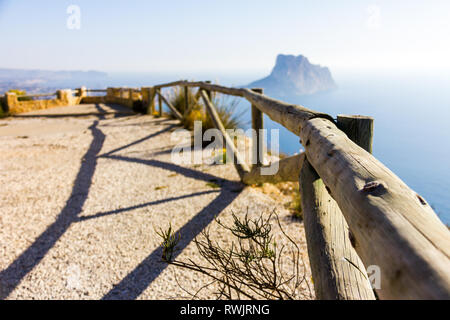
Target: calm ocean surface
{"x":412,"y":123}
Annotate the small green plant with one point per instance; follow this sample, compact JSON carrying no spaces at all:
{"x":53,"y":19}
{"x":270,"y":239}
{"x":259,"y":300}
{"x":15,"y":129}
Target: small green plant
{"x":296,"y":204}
{"x":252,"y":267}
{"x":170,"y":241}
{"x":213,"y":185}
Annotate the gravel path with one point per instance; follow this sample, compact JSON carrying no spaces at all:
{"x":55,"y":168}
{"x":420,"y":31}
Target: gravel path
{"x":83,"y":189}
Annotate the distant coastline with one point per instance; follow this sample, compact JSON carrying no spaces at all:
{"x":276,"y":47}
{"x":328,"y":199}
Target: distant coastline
{"x":36,"y":81}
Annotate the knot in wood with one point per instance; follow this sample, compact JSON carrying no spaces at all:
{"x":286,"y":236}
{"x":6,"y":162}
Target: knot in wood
{"x":352,"y":239}
{"x":371,"y":186}
{"x":422,"y":200}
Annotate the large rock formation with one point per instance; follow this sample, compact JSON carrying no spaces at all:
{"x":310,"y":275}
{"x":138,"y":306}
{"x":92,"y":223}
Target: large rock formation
{"x":295,"y":76}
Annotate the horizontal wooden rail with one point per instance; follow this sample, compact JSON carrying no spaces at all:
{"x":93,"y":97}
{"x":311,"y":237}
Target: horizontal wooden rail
{"x":96,"y":90}
{"x":289,"y":115}
{"x":37,"y":95}
{"x":170,"y":84}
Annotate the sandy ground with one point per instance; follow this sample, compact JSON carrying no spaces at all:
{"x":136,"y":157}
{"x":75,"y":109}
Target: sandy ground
{"x":83,"y":189}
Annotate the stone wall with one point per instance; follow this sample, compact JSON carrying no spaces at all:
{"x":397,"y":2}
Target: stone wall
{"x":93,"y":100}
{"x":121,"y":96}
{"x":63,"y":98}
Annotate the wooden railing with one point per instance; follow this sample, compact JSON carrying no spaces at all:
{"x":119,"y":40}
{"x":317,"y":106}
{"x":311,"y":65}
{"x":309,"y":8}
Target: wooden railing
{"x":96,"y":90}
{"x":39,"y":95}
{"x":358,"y":215}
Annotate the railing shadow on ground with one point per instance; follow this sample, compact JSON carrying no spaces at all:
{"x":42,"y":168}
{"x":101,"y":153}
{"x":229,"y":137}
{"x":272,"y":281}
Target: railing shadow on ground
{"x":143,"y":205}
{"x":16,"y":271}
{"x":187,"y":172}
{"x":152,"y":135}
{"x":31,"y":257}
{"x":138,"y":280}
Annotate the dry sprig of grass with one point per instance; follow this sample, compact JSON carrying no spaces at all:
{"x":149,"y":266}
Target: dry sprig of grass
{"x":253,"y":267}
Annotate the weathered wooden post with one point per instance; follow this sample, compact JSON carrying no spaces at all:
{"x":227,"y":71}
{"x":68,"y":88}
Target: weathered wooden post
{"x":257,"y":125}
{"x":160,"y":105}
{"x":83,"y":92}
{"x":148,"y":96}
{"x":145,"y":93}
{"x":11,"y":101}
{"x":359,"y":129}
{"x":130,"y":97}
{"x":152,"y":100}
{"x":208,"y":93}
{"x":59,"y":94}
{"x":186,"y":100}
{"x":338,"y":272}
{"x":109,"y":95}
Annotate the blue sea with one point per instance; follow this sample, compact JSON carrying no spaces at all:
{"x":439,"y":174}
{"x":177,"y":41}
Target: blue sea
{"x":411,"y":128}
{"x":411,"y":112}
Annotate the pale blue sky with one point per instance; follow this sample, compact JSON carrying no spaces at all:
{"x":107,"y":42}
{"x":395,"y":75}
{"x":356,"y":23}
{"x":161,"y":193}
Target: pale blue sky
{"x":224,"y":36}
